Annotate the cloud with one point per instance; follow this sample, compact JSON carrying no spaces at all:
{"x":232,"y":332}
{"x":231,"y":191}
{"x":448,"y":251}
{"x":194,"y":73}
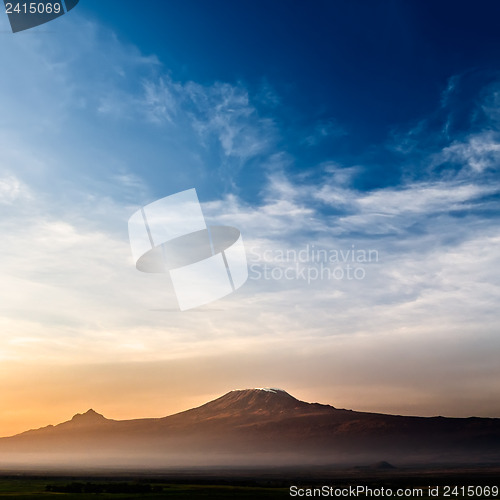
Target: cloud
{"x":219,"y":112}
{"x":12,"y":189}
{"x":435,"y":275}
{"x":225,"y":112}
{"x":478,"y":152}
{"x":423,"y":198}
{"x":323,"y":130}
{"x":160,"y":102}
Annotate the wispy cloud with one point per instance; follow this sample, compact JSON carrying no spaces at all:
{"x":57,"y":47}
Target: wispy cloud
{"x":12,"y":189}
{"x":160,"y":103}
{"x":224,"y":111}
{"x":324,"y":129}
{"x":478,"y":152}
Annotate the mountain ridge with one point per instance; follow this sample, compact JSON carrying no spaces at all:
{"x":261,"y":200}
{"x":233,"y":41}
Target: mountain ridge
{"x":258,"y":425}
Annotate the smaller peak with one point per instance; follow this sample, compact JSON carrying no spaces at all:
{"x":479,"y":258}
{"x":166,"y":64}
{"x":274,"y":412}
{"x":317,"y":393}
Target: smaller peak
{"x":89,"y":415}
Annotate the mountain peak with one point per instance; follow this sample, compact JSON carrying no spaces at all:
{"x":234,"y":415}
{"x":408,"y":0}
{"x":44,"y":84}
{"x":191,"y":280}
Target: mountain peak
{"x":256,"y":390}
{"x":262,"y":400}
{"x":90,"y":416}
{"x":268,"y":393}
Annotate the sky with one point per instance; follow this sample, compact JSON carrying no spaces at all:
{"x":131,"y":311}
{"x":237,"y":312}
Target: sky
{"x":355,"y":145}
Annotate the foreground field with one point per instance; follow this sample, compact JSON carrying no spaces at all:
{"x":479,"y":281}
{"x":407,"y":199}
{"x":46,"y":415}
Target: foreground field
{"x":37,"y":488}
{"x":412,"y":482}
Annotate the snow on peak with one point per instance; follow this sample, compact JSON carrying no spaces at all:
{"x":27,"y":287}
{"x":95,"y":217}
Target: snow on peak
{"x":274,"y":390}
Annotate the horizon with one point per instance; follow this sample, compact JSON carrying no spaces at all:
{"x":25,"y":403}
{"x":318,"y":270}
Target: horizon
{"x":355,"y":147}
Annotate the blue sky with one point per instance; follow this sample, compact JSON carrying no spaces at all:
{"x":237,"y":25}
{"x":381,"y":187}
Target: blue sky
{"x":357,"y":72}
{"x":337,"y":125}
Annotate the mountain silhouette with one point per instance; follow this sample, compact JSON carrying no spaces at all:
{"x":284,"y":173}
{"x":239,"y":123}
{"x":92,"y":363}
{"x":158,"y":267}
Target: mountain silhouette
{"x":90,"y":417}
{"x":259,"y":426}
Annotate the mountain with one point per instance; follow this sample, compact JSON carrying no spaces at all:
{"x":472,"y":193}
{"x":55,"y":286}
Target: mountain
{"x":257,"y":427}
